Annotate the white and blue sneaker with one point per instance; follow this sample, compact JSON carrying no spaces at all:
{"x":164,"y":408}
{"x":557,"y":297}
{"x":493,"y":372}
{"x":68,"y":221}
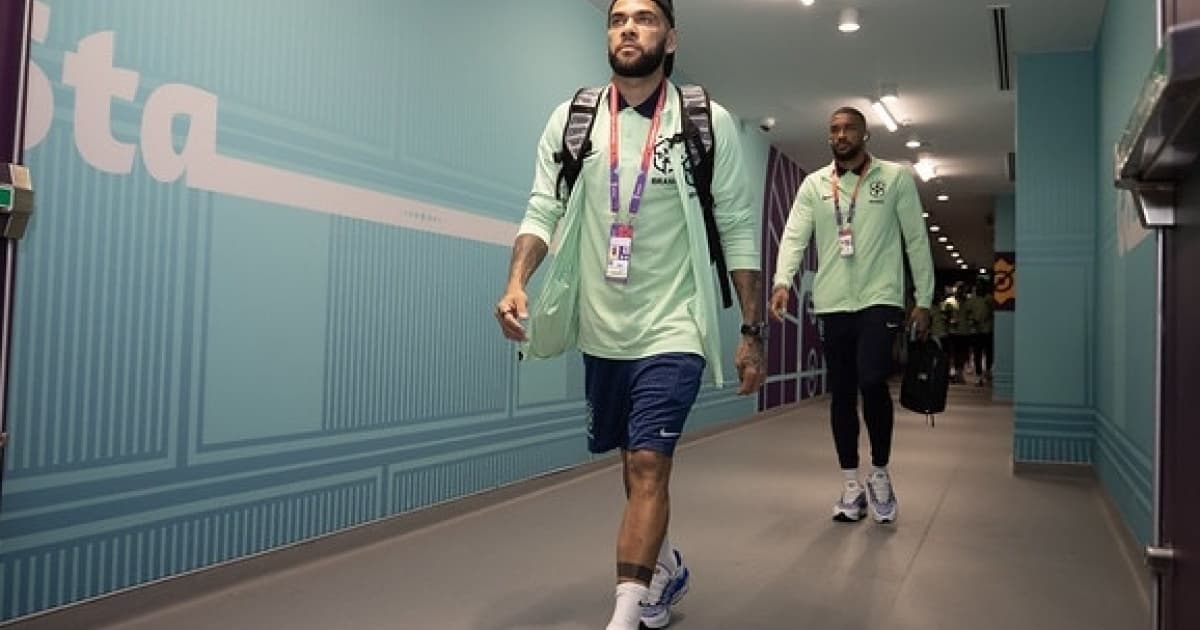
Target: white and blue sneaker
{"x":882,"y":497}
{"x":666,"y":589}
{"x":852,"y":505}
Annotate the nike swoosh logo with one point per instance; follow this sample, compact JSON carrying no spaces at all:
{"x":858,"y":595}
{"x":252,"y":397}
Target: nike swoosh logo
{"x":665,"y":434}
{"x":892,"y":325}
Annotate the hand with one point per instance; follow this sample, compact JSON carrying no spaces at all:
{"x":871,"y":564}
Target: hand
{"x":751,"y":365}
{"x":779,"y":302}
{"x":511,"y":310}
{"x":919,"y":318}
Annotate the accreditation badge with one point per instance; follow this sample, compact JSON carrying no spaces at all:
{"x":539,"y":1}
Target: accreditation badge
{"x":846,"y":241}
{"x":620,"y":247}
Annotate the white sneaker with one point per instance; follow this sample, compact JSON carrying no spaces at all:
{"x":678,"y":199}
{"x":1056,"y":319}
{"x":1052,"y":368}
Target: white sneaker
{"x":882,"y":497}
{"x":852,"y":505}
{"x":666,"y":589}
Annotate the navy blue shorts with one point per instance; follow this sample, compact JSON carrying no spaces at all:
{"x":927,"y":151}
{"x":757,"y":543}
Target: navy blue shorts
{"x":640,"y":404}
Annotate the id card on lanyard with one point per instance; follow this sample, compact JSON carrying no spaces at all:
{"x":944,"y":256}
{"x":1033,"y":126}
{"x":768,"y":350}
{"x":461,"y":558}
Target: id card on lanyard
{"x":845,"y":229}
{"x":620,"y":239}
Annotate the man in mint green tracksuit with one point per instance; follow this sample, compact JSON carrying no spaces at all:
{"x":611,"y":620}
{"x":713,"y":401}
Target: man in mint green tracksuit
{"x":865,"y":214}
{"x":632,"y":287}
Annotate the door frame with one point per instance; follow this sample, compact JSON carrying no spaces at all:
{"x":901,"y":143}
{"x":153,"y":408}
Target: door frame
{"x":16,"y":20}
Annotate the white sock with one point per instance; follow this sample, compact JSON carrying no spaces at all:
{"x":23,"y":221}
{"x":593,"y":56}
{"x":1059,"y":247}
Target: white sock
{"x":666,"y":556}
{"x":851,"y":474}
{"x":879,"y":469}
{"x":627,"y":614}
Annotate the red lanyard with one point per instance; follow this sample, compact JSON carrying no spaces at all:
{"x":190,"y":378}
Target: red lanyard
{"x":614,"y":153}
{"x":837,"y":199}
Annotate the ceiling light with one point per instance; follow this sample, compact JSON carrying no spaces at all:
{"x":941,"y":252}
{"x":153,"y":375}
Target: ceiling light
{"x":943,"y":197}
{"x":924,"y":215}
{"x":848,"y":23}
{"x":964,"y":267}
{"x":889,"y":94}
{"x":983,"y":271}
{"x":807,"y":3}
{"x":935,"y":228}
{"x":889,"y":121}
{"x":955,"y":254}
{"x":913,"y":143}
{"x":926,"y":169}
{"x":943,"y":239}
{"x":950,"y":247}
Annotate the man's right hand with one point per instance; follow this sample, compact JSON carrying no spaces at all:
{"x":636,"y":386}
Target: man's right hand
{"x":779,"y":302}
{"x":511,"y":310}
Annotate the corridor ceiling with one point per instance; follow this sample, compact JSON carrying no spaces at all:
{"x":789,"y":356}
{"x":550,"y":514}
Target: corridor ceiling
{"x":781,"y":59}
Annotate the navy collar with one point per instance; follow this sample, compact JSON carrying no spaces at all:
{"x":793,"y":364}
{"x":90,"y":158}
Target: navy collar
{"x":858,"y":171}
{"x":646,"y":109}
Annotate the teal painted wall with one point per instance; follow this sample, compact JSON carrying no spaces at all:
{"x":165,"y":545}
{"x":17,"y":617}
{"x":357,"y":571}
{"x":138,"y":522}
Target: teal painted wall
{"x":255,"y":306}
{"x":1055,"y":235}
{"x":1126,"y":276}
{"x":1090,"y":400}
{"x":1004,"y":331}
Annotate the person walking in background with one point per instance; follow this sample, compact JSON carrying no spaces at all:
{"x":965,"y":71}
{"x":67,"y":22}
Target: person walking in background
{"x":960,"y":333}
{"x":980,"y":312}
{"x":866,"y":215}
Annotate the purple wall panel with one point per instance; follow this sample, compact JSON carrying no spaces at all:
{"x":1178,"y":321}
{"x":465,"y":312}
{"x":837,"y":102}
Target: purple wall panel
{"x":794,"y":359}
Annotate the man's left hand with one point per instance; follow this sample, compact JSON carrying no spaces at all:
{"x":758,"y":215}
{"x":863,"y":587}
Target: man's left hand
{"x":920,"y":318}
{"x":751,"y":365}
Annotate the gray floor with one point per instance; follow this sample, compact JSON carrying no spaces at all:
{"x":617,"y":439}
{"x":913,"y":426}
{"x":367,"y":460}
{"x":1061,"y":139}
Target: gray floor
{"x":976,"y":548}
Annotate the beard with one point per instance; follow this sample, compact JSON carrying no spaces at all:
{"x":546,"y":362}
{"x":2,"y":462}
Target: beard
{"x":846,"y":155}
{"x":643,"y":66}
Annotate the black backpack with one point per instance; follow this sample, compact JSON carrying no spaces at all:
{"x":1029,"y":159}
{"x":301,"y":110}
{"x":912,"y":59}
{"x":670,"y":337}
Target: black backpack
{"x":697,"y":139}
{"x":926,"y":379}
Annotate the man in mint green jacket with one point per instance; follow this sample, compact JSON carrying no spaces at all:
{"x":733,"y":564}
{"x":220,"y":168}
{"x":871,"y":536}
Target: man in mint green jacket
{"x":632,"y":287}
{"x":865,"y":215}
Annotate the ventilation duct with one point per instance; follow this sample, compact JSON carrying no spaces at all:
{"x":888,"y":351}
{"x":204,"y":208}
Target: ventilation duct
{"x":1000,"y":37}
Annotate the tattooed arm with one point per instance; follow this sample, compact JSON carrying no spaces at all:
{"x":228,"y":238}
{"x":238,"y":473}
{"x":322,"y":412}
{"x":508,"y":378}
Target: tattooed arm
{"x":528,"y":252}
{"x":750,"y":359}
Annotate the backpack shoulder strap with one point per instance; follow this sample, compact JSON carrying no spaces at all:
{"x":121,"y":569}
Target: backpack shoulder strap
{"x":698,"y":110}
{"x":576,"y":138}
{"x":701,"y":148}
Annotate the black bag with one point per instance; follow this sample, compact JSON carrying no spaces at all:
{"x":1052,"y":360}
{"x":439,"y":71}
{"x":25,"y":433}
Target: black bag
{"x":926,"y":378}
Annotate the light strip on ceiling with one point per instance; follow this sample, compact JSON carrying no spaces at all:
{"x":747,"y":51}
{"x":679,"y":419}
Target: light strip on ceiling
{"x":848,"y":21}
{"x":889,"y":121}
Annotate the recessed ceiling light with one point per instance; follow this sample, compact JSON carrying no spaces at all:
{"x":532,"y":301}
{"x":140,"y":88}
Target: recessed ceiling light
{"x":964,"y":267}
{"x":943,"y":197}
{"x":924,"y":215}
{"x":950,"y":246}
{"x":935,"y":228}
{"x":913,"y":143}
{"x":848,"y":22}
{"x":943,"y":239}
{"x":955,"y":255}
{"x":983,"y":271}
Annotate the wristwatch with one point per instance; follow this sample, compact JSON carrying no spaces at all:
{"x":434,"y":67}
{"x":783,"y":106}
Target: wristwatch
{"x":758,"y":330}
